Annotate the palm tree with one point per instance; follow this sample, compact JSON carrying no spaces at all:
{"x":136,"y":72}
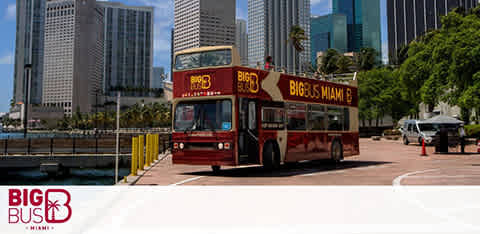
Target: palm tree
{"x":53,"y":206}
{"x":296,"y":37}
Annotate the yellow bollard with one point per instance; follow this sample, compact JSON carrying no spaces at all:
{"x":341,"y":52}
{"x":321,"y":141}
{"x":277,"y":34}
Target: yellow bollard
{"x":157,"y":140}
{"x":151,"y":149}
{"x":147,"y":161}
{"x":141,"y":159}
{"x":133,"y":169}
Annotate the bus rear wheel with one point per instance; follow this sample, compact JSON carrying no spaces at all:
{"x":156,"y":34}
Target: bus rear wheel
{"x":271,"y":158}
{"x":337,"y":152}
{"x":216,"y":169}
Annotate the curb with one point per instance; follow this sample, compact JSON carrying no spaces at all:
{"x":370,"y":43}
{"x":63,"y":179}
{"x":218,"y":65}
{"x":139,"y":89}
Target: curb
{"x":132,"y":180}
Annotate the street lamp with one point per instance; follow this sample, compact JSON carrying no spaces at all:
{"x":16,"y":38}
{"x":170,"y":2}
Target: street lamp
{"x":28,"y":71}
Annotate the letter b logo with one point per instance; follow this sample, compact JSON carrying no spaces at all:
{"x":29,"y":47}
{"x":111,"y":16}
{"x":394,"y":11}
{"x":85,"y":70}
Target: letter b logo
{"x":57,"y":206}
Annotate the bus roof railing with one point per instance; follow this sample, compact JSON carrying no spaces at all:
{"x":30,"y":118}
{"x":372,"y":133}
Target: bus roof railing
{"x":345,"y":78}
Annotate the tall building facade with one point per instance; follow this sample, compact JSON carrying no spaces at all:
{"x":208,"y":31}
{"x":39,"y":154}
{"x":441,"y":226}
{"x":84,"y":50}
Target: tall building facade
{"x":328,"y":31}
{"x":409,"y":19}
{"x":158,"y":78}
{"x":269,"y":24}
{"x":241,"y":40}
{"x":201,"y":23}
{"x":73,"y":57}
{"x":29,"y":49}
{"x":363,"y":23}
{"x":128,"y":47}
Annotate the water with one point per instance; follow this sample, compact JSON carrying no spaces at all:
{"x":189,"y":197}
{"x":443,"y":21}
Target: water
{"x":75,"y":177}
{"x":19,"y":135}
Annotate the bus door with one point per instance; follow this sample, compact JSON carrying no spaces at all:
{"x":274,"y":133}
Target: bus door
{"x":248,"y":131}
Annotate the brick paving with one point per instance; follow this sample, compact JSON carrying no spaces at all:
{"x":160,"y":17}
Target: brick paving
{"x":380,"y":163}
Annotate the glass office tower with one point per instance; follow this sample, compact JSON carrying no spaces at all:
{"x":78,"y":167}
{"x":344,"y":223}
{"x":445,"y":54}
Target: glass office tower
{"x":269,"y":24}
{"x":363,"y":23}
{"x":409,"y":19}
{"x":328,"y":31}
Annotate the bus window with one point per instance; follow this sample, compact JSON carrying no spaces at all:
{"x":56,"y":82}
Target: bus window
{"x":335,"y":118}
{"x":296,"y":117}
{"x":316,"y":117}
{"x":346,"y":119}
{"x":273,"y":118}
{"x":203,"y":59}
{"x":252,"y":117}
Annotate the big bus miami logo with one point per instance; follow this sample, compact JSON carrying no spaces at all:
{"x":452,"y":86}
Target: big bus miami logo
{"x":247,"y":82}
{"x":200,"y":82}
{"x":39,"y":209}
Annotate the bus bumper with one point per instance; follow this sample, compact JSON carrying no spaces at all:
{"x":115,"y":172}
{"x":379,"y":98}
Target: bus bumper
{"x":208,"y":158}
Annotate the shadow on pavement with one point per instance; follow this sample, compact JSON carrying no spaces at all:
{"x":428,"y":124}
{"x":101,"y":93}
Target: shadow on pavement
{"x":285,"y":171}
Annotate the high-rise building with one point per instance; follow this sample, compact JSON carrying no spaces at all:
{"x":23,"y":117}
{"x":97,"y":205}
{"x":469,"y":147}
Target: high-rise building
{"x":73,"y":58}
{"x":409,"y":19}
{"x":363,"y":23}
{"x":201,"y":23}
{"x":328,"y":31}
{"x":241,"y":40}
{"x":269,"y":24}
{"x":29,"y":49}
{"x":128,"y":52}
{"x":158,"y":78}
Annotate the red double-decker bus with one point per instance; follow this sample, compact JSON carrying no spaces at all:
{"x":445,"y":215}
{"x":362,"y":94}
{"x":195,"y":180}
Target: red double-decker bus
{"x":228,"y":115}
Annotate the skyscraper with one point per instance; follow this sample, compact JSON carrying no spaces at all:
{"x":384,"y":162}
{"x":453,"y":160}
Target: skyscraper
{"x":29,"y":49}
{"x":128,"y":54}
{"x":328,"y":31}
{"x":269,"y":23}
{"x":409,"y":19}
{"x":363,"y":23}
{"x":158,"y":78}
{"x":201,"y":23}
{"x":241,"y":40}
{"x":73,"y":61}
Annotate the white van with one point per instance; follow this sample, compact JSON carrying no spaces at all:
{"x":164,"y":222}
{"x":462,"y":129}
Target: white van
{"x":415,"y":131}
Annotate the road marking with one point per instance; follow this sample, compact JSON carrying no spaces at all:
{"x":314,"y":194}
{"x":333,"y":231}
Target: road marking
{"x":323,"y":173}
{"x":445,"y":176}
{"x":187,"y":180}
{"x":397,"y":181}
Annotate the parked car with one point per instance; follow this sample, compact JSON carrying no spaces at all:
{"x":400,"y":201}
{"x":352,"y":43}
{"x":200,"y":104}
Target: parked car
{"x":416,"y":131}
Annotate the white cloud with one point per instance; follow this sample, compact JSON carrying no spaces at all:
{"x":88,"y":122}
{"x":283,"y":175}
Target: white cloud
{"x":7,"y":59}
{"x":11,"y":11}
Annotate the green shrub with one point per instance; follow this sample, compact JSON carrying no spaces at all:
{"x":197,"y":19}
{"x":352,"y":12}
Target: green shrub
{"x":392,"y":132}
{"x":473,"y":131}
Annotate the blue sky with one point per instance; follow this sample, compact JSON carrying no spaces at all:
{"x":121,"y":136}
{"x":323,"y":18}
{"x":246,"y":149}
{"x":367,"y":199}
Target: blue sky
{"x":163,"y":25}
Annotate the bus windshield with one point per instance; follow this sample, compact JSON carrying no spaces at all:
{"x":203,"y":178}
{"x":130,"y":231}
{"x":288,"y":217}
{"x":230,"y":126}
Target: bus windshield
{"x":215,"y":115}
{"x":203,"y":59}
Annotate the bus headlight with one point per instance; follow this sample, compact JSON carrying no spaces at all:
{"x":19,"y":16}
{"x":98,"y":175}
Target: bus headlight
{"x":182,"y":146}
{"x":227,"y":145}
{"x":175,"y":145}
{"x":220,"y":146}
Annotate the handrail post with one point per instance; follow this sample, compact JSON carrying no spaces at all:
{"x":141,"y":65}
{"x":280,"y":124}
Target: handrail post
{"x":51,"y":146}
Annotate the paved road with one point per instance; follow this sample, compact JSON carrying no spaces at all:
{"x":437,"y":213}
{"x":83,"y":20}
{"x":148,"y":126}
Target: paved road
{"x":380,"y":163}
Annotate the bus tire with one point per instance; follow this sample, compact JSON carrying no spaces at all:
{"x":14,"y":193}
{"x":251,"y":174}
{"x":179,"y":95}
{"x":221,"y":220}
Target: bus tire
{"x":216,"y":169}
{"x":336,"y":152}
{"x":405,"y":140}
{"x":271,"y":159}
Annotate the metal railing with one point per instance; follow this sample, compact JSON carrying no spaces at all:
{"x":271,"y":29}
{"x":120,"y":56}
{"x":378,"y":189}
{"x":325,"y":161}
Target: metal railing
{"x":99,"y":145}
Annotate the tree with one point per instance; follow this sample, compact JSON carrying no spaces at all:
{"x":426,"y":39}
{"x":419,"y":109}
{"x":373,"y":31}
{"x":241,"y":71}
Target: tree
{"x":296,"y":37}
{"x":366,"y":59}
{"x":343,"y":64}
{"x":329,"y":62}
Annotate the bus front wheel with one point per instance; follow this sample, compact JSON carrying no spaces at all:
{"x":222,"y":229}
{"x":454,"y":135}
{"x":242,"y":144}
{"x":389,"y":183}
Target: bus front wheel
{"x":216,"y":169}
{"x":337,"y":152}
{"x":271,"y":158}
